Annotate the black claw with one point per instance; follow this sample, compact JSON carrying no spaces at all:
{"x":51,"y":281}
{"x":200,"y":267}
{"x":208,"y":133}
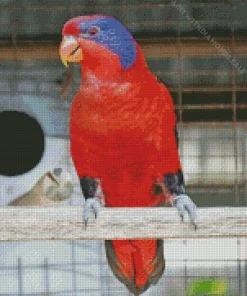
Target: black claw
{"x":85,"y":221}
{"x":182,"y":218}
{"x":95,"y":214}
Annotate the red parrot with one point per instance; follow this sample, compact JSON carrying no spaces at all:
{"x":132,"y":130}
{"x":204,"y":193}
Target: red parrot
{"x":122,"y":129}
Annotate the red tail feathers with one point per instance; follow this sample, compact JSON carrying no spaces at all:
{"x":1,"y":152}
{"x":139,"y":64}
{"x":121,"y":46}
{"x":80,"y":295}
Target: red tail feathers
{"x":136,"y":263}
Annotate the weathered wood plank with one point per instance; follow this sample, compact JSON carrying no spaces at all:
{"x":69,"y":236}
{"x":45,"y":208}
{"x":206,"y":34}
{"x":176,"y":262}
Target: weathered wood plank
{"x":41,"y":51}
{"x":65,"y":223}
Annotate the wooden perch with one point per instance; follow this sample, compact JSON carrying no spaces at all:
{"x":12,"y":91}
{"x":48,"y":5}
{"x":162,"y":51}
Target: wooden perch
{"x":42,"y":50}
{"x":65,"y":223}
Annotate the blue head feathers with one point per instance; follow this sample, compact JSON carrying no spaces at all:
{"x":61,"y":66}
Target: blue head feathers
{"x":111,"y":33}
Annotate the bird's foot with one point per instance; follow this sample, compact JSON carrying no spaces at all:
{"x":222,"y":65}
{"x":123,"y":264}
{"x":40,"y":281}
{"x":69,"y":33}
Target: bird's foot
{"x":184,"y":204}
{"x":90,"y":204}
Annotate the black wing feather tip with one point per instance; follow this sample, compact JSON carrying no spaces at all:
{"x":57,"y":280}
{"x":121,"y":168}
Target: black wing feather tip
{"x":160,"y":265}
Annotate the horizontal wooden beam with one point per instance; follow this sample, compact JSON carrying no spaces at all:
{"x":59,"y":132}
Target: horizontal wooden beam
{"x":29,"y":52}
{"x":35,"y":50}
{"x":211,"y":106}
{"x":211,"y":89}
{"x":196,"y":49}
{"x":65,"y":223}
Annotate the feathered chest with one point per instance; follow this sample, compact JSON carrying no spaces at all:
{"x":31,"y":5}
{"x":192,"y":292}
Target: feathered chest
{"x":106,"y":108}
{"x":123,"y":111}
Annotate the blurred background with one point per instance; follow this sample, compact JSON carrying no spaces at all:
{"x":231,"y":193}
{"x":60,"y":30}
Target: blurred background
{"x":198,"y":49}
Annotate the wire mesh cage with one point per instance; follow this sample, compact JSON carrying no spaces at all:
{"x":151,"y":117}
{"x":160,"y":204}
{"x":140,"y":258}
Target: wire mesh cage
{"x":79,"y":268}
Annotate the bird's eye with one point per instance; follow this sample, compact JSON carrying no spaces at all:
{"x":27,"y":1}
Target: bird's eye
{"x":93,"y":31}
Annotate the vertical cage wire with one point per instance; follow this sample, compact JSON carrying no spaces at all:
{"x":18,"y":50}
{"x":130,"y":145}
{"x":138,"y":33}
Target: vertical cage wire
{"x":46,"y":276}
{"x":20,"y":277}
{"x":234,"y":119}
{"x":74,"y":274}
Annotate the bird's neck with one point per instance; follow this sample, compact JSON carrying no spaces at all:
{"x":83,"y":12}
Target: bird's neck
{"x":100,"y":75}
{"x":102,"y":70}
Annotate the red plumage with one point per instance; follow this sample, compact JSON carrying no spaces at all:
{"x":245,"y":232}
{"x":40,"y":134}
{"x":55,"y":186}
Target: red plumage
{"x":122,"y":131}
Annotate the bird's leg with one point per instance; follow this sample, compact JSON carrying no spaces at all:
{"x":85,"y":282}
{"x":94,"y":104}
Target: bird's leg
{"x":89,"y":188}
{"x":174,"y":192}
{"x":184,"y":204}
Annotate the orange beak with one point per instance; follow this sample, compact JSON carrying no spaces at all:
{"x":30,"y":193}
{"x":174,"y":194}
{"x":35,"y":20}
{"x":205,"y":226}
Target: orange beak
{"x":70,"y":51}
